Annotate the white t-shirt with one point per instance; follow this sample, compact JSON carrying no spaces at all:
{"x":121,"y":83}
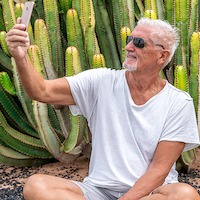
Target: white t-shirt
{"x":125,"y":135}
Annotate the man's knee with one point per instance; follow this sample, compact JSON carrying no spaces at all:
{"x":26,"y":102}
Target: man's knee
{"x":35,"y":184}
{"x":186,"y":192}
{"x":177,"y":191}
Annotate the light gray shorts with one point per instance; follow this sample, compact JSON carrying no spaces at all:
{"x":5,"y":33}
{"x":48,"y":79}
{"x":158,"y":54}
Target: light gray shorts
{"x":97,"y":193}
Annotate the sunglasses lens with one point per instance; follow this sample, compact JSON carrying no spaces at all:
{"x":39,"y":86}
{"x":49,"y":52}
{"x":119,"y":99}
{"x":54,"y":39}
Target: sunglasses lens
{"x":128,"y":39}
{"x":138,"y":42}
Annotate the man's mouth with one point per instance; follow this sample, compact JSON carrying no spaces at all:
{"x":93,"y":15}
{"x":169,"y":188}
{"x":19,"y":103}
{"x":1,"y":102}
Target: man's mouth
{"x":130,"y":55}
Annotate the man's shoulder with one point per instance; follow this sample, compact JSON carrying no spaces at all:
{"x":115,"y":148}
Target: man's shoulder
{"x":177,"y":92}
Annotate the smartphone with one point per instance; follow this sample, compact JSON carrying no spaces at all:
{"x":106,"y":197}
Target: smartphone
{"x":26,"y":14}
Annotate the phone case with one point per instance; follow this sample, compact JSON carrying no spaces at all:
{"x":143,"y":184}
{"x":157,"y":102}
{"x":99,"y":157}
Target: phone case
{"x":26,"y":14}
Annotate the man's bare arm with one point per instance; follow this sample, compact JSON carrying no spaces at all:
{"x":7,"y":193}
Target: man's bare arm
{"x":49,"y":91}
{"x":166,"y":154}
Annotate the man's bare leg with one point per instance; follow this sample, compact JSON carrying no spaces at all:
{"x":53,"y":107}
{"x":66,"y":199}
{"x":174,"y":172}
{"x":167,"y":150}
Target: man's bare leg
{"x":176,"y":191}
{"x":42,"y":187}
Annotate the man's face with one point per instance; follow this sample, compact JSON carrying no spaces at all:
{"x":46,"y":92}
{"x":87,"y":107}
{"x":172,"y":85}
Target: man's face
{"x":144,"y":57}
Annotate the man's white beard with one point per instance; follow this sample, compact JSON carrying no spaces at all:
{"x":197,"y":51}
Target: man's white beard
{"x":129,"y":67}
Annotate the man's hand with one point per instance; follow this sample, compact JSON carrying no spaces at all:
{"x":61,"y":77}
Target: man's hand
{"x":18,"y":41}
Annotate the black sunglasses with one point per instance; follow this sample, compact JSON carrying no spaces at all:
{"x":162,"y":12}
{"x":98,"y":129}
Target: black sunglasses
{"x":138,"y":42}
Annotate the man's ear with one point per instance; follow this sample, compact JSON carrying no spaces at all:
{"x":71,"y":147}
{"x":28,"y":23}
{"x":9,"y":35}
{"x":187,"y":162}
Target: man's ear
{"x":164,"y":55}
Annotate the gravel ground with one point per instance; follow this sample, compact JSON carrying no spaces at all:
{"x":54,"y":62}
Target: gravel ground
{"x":12,"y":179}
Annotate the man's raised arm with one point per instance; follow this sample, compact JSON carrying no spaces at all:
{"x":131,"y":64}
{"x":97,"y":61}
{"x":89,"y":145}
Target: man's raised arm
{"x":55,"y":91}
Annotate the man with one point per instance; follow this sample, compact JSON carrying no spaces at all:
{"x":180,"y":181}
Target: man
{"x":139,"y":122}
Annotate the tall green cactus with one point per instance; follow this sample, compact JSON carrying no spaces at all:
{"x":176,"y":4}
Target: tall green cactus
{"x":194,"y":69}
{"x":105,"y":35}
{"x":77,"y":123}
{"x":53,"y":27}
{"x":43,"y":42}
{"x":8,"y":14}
{"x":75,"y":35}
{"x":181,"y":82}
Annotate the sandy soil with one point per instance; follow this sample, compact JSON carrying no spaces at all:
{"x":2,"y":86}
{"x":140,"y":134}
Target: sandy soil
{"x":12,"y":179}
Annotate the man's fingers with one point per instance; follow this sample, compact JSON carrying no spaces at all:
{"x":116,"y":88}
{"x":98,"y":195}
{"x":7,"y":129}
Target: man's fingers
{"x":17,"y":38}
{"x":19,"y":20}
{"x":18,"y":44}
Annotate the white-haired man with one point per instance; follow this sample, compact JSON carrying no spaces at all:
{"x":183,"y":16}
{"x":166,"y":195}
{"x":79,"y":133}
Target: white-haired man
{"x":139,"y":122}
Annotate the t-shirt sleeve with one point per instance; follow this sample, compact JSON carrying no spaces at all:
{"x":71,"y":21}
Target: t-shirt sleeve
{"x":181,"y":125}
{"x":84,"y":88}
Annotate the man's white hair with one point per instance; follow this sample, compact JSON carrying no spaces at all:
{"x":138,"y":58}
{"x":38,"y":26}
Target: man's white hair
{"x":163,"y":34}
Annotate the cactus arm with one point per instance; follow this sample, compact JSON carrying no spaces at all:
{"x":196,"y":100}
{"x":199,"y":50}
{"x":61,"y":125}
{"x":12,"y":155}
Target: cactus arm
{"x":98,"y":61}
{"x":77,"y":128}
{"x":18,"y":9}
{"x":189,"y":157}
{"x":66,"y":5}
{"x":54,"y":119}
{"x":87,"y":14}
{"x":21,"y":142}
{"x":53,"y":27}
{"x":105,"y":35}
{"x":36,"y":59}
{"x":62,"y":114}
{"x":77,"y":123}
{"x":140,"y":6}
{"x":151,"y":14}
{"x":115,"y":20}
{"x":77,"y":6}
{"x":25,"y":101}
{"x":3,"y":43}
{"x":161,"y":9}
{"x":181,"y":82}
{"x":11,"y":157}
{"x":194,"y":69}
{"x":75,"y":35}
{"x":6,"y":83}
{"x":151,"y":5}
{"x":182,"y":24}
{"x":180,"y":78}
{"x":2,"y":25}
{"x":48,"y":134}
{"x":5,"y":62}
{"x":127,"y":13}
{"x":88,"y":26}
{"x":8,"y":14}
{"x":72,"y":60}
{"x":125,"y":31}
{"x":193,"y":25}
{"x":16,"y":117}
{"x":43,"y":42}
{"x":170,"y":11}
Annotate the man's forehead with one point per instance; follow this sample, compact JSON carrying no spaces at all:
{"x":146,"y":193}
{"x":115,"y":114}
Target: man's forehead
{"x":144,"y":28}
{"x":142,"y":31}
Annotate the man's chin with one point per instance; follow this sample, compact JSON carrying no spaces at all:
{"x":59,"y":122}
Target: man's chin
{"x":131,"y":68}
